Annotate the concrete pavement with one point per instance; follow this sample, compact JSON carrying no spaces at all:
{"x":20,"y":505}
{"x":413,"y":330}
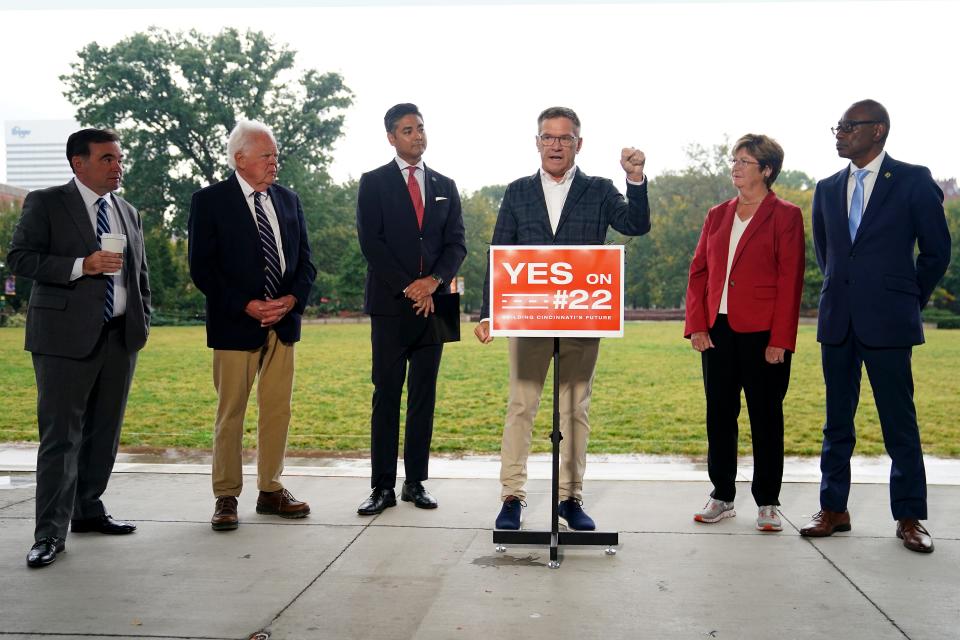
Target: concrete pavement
{"x":430,"y":575}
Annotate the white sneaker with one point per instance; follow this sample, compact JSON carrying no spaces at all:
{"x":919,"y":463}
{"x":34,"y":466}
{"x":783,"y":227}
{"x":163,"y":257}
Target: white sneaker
{"x":767,"y":519}
{"x":715,"y":511}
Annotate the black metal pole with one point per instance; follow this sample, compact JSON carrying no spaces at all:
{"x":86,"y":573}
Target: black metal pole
{"x":555,"y":437}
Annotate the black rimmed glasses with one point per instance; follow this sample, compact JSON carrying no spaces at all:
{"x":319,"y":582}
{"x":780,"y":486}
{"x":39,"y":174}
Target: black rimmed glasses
{"x":548,"y":141}
{"x":847,"y":126}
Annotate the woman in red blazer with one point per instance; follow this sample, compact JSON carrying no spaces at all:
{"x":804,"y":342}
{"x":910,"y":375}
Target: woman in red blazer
{"x":743,"y":305}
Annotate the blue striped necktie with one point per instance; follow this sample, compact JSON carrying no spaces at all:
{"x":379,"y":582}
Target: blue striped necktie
{"x":856,"y":203}
{"x":103,"y":226}
{"x":271,"y":257}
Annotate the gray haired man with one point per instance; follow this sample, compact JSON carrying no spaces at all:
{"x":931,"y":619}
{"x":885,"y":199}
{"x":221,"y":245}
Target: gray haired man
{"x":249,"y":256}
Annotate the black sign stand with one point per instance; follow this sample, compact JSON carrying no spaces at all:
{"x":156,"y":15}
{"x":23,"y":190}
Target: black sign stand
{"x":554,"y":538}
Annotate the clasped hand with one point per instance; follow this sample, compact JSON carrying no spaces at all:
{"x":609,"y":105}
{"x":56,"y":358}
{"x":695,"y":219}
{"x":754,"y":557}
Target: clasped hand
{"x":420,"y":291}
{"x":270,"y":311}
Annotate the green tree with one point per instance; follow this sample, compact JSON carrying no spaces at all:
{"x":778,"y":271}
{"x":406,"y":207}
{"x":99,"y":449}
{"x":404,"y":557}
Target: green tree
{"x":174,"y":97}
{"x":812,"y":278}
{"x":330,"y":211}
{"x":9,"y":215}
{"x":948,"y":293}
{"x":480,"y":210}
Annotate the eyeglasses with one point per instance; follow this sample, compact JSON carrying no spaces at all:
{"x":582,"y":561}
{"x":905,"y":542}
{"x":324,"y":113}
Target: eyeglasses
{"x":742,"y":162}
{"x":565,"y":141}
{"x":847,"y":126}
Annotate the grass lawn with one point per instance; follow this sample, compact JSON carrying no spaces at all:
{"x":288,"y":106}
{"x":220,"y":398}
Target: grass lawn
{"x":648,"y":394}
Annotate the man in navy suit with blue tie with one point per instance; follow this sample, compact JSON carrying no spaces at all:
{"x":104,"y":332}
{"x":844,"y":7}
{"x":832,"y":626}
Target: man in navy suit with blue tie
{"x":867,"y":221}
{"x":411,"y":233}
{"x":250,"y":257}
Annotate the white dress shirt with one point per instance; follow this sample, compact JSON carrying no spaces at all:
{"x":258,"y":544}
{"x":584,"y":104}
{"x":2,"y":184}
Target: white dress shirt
{"x":869,"y":180}
{"x":555,"y":194}
{"x":90,"y":198}
{"x":248,"y":192}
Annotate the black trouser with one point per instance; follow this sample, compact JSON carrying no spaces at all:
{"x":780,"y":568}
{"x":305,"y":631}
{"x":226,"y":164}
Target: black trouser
{"x":390,"y":357}
{"x":737,"y":362}
{"x":80,"y":406}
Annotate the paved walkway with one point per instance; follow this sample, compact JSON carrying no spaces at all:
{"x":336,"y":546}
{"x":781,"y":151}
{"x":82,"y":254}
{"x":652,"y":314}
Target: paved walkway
{"x":435,"y":575}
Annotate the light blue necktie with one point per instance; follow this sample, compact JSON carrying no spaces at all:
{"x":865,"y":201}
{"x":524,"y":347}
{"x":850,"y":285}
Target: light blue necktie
{"x":856,"y":203}
{"x":103,"y":226}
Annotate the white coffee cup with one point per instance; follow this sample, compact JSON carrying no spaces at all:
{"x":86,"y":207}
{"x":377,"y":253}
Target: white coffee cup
{"x":115,"y":243}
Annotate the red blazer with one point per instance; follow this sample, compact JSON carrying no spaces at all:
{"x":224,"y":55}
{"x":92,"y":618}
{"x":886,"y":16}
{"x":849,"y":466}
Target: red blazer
{"x":766,"y":278}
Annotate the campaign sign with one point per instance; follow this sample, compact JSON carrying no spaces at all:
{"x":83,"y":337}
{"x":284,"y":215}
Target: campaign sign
{"x":556,"y":290}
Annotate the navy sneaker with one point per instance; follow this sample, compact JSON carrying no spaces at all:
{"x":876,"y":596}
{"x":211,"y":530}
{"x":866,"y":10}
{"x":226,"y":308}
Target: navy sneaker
{"x":571,"y":511}
{"x":510,"y":513}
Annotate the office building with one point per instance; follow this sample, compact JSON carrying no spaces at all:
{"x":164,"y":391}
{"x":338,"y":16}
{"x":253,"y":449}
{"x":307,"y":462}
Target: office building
{"x":36,"y":152}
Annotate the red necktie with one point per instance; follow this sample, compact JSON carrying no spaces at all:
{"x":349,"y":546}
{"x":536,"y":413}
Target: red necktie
{"x":414,"y":187}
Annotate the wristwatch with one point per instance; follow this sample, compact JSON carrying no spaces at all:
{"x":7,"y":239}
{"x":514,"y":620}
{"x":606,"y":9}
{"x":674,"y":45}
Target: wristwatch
{"x":437,"y":278}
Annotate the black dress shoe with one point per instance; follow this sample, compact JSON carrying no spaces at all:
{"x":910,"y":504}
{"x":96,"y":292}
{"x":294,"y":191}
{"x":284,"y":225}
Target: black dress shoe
{"x":102,"y":524}
{"x":44,"y":551}
{"x":414,"y":492}
{"x":379,"y":500}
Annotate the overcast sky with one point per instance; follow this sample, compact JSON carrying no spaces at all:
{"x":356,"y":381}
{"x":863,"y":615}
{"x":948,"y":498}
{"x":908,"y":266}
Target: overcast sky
{"x":658,"y":76}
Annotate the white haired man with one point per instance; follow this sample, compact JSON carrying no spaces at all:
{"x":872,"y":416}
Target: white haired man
{"x":249,"y":256}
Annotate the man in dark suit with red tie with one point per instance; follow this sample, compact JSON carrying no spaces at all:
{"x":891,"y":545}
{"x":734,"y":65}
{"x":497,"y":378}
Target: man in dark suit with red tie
{"x":411,"y":233}
{"x":250,"y":257}
{"x":868,"y":219}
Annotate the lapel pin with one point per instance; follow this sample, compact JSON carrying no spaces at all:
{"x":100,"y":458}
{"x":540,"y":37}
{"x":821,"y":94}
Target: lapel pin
{"x":887,"y":174}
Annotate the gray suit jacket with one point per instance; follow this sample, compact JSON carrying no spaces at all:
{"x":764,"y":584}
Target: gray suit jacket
{"x":65,"y":317}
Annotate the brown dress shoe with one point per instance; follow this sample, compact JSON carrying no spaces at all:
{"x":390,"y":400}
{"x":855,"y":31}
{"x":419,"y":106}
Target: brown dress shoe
{"x":826,"y":523}
{"x":225,"y":514}
{"x":281,"y":503}
{"x":915,"y":537}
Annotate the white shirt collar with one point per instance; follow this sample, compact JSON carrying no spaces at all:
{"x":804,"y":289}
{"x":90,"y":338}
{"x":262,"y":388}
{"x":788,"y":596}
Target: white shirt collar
{"x":403,"y":164}
{"x":547,"y":178}
{"x":90,"y":196}
{"x":873,"y":166}
{"x":245,"y":186}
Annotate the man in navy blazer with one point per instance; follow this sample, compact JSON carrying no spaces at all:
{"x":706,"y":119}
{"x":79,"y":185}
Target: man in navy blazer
{"x":411,"y":233}
{"x":867,"y":221}
{"x":250,"y":257}
{"x":557,"y":205}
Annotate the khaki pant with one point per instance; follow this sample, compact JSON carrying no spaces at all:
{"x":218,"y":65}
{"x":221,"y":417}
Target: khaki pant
{"x":233,"y":376}
{"x":529,"y":360}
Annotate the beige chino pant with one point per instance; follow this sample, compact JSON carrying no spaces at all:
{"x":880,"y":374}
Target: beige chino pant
{"x":233,"y":375}
{"x":529,"y":361}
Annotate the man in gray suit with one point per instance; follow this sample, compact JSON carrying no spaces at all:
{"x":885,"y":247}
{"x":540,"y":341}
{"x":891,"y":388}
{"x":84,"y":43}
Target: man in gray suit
{"x":88,"y":316}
